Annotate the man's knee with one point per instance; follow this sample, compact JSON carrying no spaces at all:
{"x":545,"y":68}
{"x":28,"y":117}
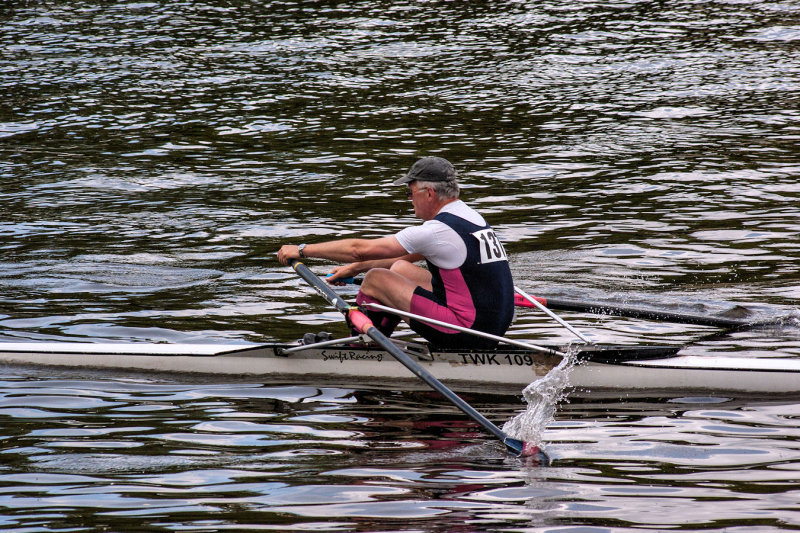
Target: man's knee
{"x":374,"y":280}
{"x":400,"y":267}
{"x":388,"y":287}
{"x":413,"y":273}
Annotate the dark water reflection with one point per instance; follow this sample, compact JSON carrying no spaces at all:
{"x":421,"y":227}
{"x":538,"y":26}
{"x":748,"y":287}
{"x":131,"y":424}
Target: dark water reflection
{"x":149,"y":454}
{"x":154,"y":156}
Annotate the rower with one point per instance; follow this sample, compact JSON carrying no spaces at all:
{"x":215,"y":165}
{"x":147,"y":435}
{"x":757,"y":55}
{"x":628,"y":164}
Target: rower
{"x":468,"y":280}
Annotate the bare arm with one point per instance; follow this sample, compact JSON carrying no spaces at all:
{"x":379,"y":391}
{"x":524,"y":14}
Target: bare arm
{"x":352,"y":269}
{"x":348,"y":251}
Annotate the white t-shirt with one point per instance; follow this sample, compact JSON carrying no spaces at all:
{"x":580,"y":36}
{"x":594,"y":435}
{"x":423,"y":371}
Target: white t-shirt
{"x":437,"y":241}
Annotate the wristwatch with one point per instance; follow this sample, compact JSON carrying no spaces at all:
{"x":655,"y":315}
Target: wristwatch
{"x":300,"y":250}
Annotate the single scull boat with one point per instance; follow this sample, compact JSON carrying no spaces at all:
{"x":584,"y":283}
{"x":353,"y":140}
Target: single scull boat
{"x":618,"y":367}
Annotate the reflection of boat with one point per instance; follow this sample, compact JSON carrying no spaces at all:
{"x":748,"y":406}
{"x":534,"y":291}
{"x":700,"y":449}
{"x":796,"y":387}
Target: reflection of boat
{"x":604,"y":366}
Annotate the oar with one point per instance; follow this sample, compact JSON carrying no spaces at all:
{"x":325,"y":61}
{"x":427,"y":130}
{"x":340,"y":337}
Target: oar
{"x":600,"y":308}
{"x":640,"y":312}
{"x":363,"y":324}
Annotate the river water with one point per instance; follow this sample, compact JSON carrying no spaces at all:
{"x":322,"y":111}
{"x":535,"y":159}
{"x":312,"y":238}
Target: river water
{"x":155,"y":155}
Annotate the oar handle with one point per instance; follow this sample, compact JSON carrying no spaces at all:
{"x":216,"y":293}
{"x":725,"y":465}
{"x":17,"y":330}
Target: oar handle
{"x":347,"y":281}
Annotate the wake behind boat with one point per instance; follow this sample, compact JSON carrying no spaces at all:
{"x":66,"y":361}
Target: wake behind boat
{"x":610,"y":367}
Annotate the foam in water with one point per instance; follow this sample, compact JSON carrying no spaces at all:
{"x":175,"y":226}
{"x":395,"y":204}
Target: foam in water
{"x":542,"y":397}
{"x":791,"y":320}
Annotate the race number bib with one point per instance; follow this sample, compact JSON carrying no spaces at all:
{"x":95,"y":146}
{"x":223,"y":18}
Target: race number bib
{"x":491,"y":249}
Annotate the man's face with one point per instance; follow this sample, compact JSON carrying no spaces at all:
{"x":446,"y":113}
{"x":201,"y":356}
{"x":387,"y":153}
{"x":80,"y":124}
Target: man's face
{"x":422,"y":200}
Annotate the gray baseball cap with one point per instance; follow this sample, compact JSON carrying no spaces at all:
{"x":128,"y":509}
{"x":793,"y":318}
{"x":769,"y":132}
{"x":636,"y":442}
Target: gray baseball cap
{"x":429,"y":168}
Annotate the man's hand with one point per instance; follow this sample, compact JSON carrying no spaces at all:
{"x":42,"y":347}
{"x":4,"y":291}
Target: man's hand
{"x":341,"y":272}
{"x":287,"y":252}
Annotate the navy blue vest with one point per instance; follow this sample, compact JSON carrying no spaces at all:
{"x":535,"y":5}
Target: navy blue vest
{"x":486,"y":273}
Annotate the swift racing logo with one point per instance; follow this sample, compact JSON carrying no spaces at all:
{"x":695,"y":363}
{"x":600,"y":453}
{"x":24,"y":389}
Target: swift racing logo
{"x":344,"y":355}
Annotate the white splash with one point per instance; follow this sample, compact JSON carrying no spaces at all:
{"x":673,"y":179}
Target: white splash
{"x":542,"y":396}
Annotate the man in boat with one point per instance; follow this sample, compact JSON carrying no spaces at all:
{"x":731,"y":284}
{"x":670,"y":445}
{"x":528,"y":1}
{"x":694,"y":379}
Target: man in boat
{"x":468,"y":280}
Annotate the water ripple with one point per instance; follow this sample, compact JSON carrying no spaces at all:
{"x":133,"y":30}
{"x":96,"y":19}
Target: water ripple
{"x":154,"y":156}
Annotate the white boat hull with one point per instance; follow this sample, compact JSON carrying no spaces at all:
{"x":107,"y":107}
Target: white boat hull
{"x":503,"y":368}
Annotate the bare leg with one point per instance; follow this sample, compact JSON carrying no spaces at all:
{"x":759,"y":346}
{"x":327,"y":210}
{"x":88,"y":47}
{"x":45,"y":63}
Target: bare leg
{"x":389,"y":288}
{"x":412,"y":272}
{"x":392,"y":287}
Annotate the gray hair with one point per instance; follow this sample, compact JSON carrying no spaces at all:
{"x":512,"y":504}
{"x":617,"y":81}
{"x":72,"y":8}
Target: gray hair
{"x":444,"y":190}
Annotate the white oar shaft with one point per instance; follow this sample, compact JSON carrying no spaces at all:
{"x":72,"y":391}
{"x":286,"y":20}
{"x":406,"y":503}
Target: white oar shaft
{"x":447,"y":325}
{"x":552,"y":315}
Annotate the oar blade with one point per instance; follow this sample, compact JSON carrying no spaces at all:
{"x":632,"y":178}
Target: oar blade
{"x":526,"y":450}
{"x":605,"y":308}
